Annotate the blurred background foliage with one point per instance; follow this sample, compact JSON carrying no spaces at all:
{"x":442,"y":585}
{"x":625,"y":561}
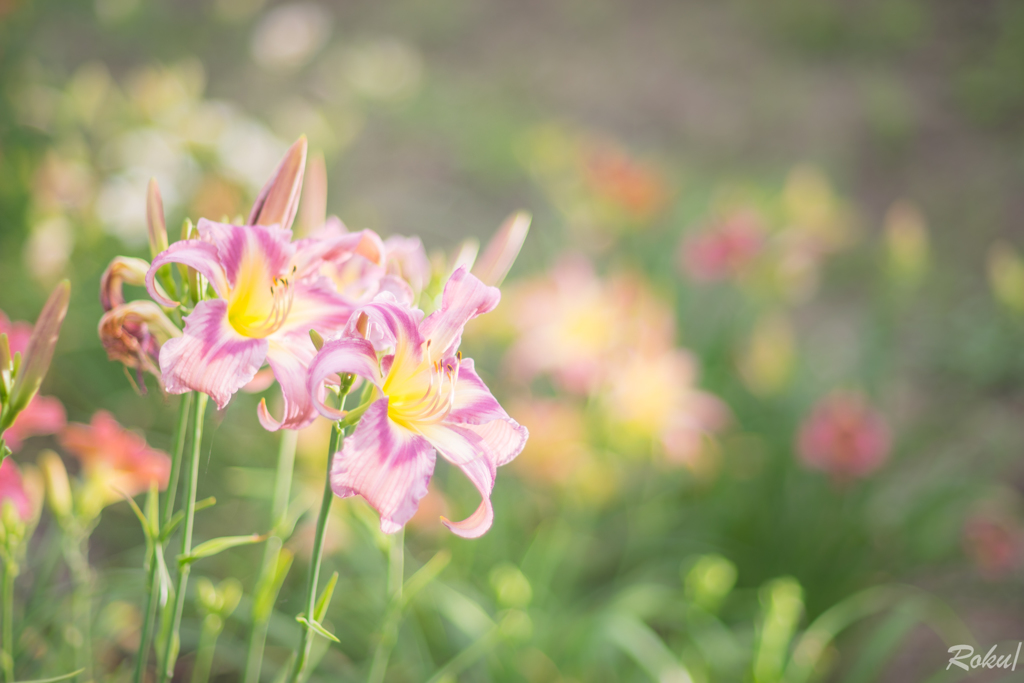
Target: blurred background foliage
{"x":765,"y":331}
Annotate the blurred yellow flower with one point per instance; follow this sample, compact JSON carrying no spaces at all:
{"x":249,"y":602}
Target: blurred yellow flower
{"x":766,"y":362}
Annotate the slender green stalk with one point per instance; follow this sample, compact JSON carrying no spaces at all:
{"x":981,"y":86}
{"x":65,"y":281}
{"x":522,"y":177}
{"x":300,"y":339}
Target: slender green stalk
{"x":173,"y":642}
{"x":389,"y":634}
{"x":10,"y":573}
{"x":212,"y":627}
{"x":306,"y":643}
{"x":278,"y":509}
{"x":153,"y":579}
{"x":76,"y":555}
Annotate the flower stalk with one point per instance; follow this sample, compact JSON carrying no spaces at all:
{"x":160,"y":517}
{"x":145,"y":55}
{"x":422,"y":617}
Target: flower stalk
{"x":306,"y":642}
{"x":149,"y":616}
{"x":10,"y":574}
{"x":172,"y":642}
{"x":271,"y":553}
{"x":389,"y":634}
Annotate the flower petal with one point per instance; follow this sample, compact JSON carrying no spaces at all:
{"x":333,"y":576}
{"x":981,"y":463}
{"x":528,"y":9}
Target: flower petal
{"x":351,"y":355}
{"x":389,"y":325}
{"x":249,"y":251}
{"x":194,"y":253}
{"x":316,"y":305}
{"x":210,"y":356}
{"x":465,"y":297}
{"x":388,"y":466}
{"x":467,"y":451}
{"x":289,"y":359}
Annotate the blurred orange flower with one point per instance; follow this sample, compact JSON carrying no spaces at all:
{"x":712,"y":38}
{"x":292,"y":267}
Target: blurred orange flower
{"x":116,"y":459}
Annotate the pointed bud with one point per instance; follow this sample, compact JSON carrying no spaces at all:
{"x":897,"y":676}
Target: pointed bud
{"x":123,"y":269}
{"x":1006,"y":276}
{"x":278,"y":201}
{"x":362,"y":323}
{"x":186,"y":229}
{"x":906,"y":242}
{"x":503,"y":249}
{"x":58,"y":489}
{"x":155,"y":219}
{"x":466,"y":255}
{"x":318,"y":341}
{"x":313,"y":208}
{"x":40,"y":349}
{"x":6,"y":361}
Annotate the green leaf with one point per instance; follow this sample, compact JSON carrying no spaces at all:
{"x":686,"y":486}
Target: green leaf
{"x":317,"y":627}
{"x":425,"y":575}
{"x":218,"y":545}
{"x":176,"y":518}
{"x":63,"y":677}
{"x":147,"y":528}
{"x":270,"y":586}
{"x":325,"y":598}
{"x":153,"y":508}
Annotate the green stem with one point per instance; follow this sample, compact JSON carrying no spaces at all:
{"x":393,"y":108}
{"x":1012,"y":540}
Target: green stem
{"x":173,"y":641}
{"x":278,"y":508}
{"x":389,"y":634}
{"x":212,"y":627}
{"x":76,"y":555}
{"x":306,"y":643}
{"x":153,"y":579}
{"x":10,"y":573}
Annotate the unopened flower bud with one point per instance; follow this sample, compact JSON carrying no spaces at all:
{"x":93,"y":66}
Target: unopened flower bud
{"x":503,"y":249}
{"x":58,"y":489}
{"x":767,"y":362}
{"x":39,"y":352}
{"x":465,"y":255}
{"x":278,"y":201}
{"x":155,"y":219}
{"x":318,"y":341}
{"x":313,"y":208}
{"x":906,"y":242}
{"x":1006,"y":276}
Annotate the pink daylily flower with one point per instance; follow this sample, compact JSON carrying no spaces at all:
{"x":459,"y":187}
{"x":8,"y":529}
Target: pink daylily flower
{"x":270,"y":294}
{"x":13,"y":489}
{"x":427,"y":398}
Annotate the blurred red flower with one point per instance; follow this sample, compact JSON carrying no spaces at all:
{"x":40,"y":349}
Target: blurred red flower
{"x":844,"y":437}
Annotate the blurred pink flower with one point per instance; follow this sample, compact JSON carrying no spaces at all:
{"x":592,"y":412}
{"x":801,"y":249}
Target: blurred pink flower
{"x":844,"y":437}
{"x":726,"y":249}
{"x":575,"y":326}
{"x":116,"y":457}
{"x":427,"y":398}
{"x":43,"y":415}
{"x":18,"y":333}
{"x":12,"y":489}
{"x":994,"y":542}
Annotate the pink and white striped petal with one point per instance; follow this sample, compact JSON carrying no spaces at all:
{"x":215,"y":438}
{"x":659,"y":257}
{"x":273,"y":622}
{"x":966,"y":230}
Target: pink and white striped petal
{"x":466,"y":450}
{"x":200,"y":255}
{"x":388,"y":466}
{"x":316,"y":305}
{"x":289,"y":358}
{"x":464,"y":298}
{"x":210,"y":356}
{"x":347,"y":355}
{"x":249,"y":251}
